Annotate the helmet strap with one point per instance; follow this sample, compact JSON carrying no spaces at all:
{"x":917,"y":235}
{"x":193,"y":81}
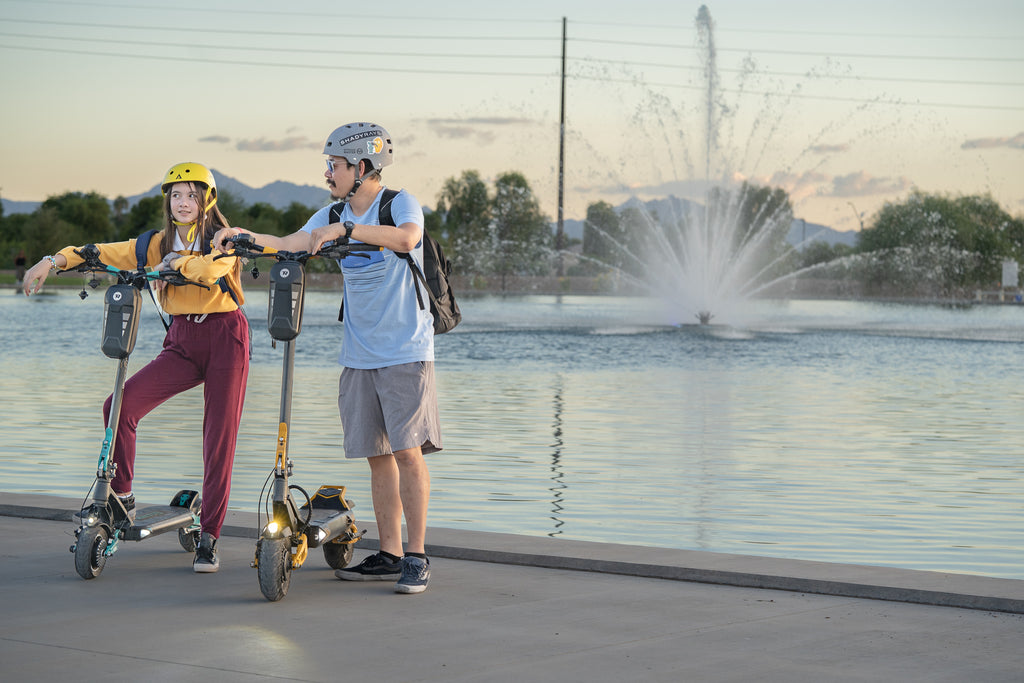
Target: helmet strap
{"x":355,"y":186}
{"x":192,"y":227}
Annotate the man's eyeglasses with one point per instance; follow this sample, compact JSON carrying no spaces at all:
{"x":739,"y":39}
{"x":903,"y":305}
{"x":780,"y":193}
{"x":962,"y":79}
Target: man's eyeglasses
{"x":331,"y":164}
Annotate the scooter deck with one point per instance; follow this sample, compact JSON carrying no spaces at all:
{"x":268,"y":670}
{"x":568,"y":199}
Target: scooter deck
{"x":157,"y":519}
{"x":333,"y":523}
{"x":330,"y":514}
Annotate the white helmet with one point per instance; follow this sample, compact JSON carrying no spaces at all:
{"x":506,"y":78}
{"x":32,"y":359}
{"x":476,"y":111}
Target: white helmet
{"x":357,"y":141}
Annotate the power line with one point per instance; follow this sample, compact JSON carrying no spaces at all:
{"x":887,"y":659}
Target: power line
{"x":504,"y":56}
{"x":465,"y":72}
{"x":795,"y":32}
{"x":849,"y":77}
{"x":242,"y":48}
{"x":252,"y":32}
{"x":802,"y":96}
{"x":325,"y":67}
{"x":803,"y":53}
{"x":92,"y":6}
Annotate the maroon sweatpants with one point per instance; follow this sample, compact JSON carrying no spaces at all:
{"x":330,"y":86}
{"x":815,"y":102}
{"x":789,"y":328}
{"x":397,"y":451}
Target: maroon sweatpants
{"x":214,"y":351}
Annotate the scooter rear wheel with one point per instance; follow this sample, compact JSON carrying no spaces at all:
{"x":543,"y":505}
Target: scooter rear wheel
{"x":89,"y":557}
{"x":338,"y":555}
{"x":189,"y":540}
{"x":274,"y":559}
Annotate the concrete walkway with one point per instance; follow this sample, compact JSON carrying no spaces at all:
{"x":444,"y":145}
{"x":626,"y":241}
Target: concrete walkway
{"x":499,"y":608}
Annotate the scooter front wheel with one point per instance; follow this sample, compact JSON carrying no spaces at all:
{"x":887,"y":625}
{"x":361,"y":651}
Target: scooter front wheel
{"x":89,"y":557}
{"x":274,"y":559}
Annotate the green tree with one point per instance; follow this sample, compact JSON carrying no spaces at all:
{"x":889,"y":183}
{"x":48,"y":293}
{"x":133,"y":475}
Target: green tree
{"x":46,"y":232}
{"x":818,"y":252}
{"x":464,"y":208}
{"x":88,"y":212}
{"x":940,"y":245}
{"x":294,"y":217}
{"x":601,"y":231}
{"x":263,"y":218}
{"x":147,"y":214}
{"x":523,"y":233}
{"x":120,"y":206}
{"x":231,"y":206}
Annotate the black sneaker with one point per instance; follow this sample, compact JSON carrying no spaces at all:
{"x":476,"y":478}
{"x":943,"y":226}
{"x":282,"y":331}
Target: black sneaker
{"x":129,"y":505}
{"x":376,"y":567}
{"x":206,"y":561}
{"x":415,"y":575}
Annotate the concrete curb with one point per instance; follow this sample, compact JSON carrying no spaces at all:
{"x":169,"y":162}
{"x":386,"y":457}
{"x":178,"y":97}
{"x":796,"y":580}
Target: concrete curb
{"x":853,"y":581}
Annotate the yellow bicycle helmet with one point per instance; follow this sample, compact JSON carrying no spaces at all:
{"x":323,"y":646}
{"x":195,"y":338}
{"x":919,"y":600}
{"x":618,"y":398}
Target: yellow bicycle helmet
{"x":188,"y":172}
{"x":191,"y":172}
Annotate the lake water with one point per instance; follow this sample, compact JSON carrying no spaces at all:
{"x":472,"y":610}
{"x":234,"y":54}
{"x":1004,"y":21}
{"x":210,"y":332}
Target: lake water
{"x":823,"y":430}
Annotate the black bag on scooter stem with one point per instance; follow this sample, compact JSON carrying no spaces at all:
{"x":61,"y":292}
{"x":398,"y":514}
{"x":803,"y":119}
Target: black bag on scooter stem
{"x":121,"y":312}
{"x":284,"y":317}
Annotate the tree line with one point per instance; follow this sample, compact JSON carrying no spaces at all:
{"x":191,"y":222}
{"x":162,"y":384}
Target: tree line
{"x":926,"y":244}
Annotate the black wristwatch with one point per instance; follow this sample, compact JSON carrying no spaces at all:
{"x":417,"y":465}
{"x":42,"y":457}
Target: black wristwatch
{"x":348,"y":228}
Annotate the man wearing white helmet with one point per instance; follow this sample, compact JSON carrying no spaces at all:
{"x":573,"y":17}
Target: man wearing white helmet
{"x":387,"y":396}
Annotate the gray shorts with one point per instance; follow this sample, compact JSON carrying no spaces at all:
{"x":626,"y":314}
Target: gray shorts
{"x":389,"y":409}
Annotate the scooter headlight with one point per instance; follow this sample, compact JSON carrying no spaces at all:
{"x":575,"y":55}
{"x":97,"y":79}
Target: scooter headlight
{"x":273,"y":528}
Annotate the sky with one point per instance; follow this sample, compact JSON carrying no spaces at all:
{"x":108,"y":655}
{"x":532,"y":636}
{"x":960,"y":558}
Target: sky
{"x":845,"y":107}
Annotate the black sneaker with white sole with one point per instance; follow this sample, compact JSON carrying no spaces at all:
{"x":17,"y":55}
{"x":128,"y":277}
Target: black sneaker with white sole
{"x":375,"y":567}
{"x":206,"y":560}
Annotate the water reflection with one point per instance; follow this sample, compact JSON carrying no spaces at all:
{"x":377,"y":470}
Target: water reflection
{"x":557,"y":473}
{"x":831,"y":431}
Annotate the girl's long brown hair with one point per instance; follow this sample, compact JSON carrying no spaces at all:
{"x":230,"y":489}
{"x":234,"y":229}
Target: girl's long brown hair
{"x":211,"y":221}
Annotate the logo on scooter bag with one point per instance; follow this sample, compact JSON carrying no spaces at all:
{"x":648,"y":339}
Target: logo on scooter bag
{"x":284,"y":272}
{"x":116,"y":296}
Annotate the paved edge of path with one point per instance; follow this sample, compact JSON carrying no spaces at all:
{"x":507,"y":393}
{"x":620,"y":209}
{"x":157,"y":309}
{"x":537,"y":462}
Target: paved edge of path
{"x":967,"y":591}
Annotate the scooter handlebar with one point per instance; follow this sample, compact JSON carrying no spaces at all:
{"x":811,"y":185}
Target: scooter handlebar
{"x":92,"y":264}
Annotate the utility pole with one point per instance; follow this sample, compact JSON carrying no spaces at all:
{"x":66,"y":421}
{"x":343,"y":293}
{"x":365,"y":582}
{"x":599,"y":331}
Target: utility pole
{"x":560,"y":231}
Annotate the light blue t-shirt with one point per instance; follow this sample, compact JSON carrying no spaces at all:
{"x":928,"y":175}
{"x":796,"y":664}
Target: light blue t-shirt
{"x":384,"y":324}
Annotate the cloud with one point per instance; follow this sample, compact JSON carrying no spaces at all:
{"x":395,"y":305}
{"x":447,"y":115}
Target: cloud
{"x":283,"y":145}
{"x":482,"y":121}
{"x":829,"y":149}
{"x":1016,"y":142}
{"x":797,"y":186}
{"x":216,"y":138}
{"x":860,"y":184}
{"x":473,"y":128}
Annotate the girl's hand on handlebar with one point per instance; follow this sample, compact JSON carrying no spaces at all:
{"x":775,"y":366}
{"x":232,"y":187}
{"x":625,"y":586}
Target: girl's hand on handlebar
{"x":165,"y":265}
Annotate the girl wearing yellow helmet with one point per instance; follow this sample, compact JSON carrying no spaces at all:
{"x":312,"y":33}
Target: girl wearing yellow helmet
{"x":207,"y":342}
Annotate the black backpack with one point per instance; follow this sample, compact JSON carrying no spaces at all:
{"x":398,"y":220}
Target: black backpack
{"x":434,"y":276}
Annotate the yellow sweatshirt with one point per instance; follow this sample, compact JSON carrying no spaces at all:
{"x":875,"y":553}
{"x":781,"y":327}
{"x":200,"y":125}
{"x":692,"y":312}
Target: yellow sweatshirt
{"x":185,"y":299}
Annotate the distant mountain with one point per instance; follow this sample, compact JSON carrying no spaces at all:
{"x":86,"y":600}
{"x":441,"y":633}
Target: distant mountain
{"x":279,"y":194}
{"x":799,"y":231}
{"x":11,"y":207}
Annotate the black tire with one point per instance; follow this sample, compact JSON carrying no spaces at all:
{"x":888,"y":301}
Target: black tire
{"x":189,"y":540}
{"x":275,"y":567}
{"x":89,"y":557}
{"x":338,"y":555}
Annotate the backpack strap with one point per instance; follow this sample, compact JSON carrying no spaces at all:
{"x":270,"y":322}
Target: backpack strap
{"x":141,"y":256}
{"x":142,"y":249}
{"x":384,"y":218}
